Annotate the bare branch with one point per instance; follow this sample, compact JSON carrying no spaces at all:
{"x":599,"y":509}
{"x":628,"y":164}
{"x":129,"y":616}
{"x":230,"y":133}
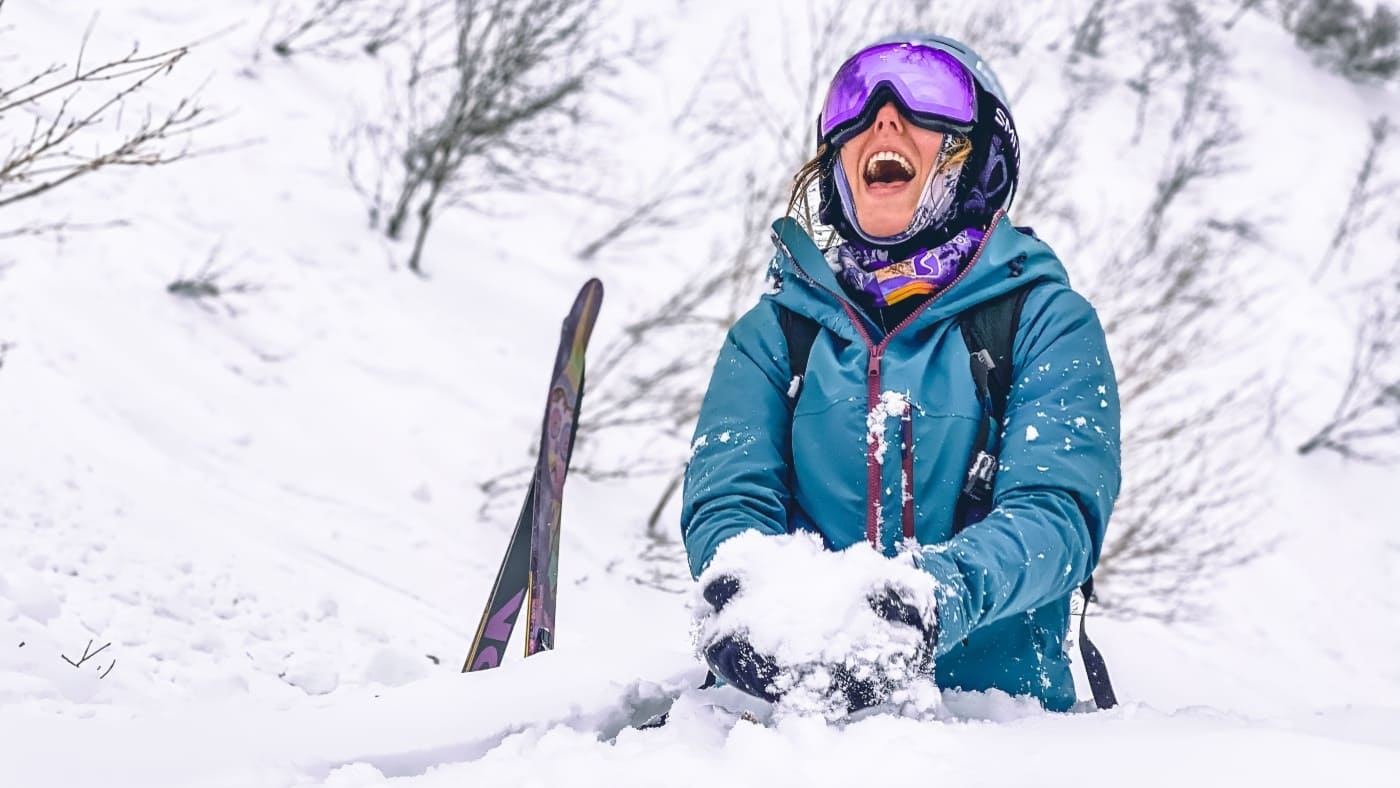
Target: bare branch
{"x":60,"y":228}
{"x":65,"y":139}
{"x":340,"y":28}
{"x":88,"y":654}
{"x":1363,"y":201}
{"x":1365,"y":425}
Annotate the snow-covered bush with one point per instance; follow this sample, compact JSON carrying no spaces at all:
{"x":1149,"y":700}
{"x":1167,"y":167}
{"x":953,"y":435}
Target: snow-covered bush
{"x":1345,"y":37}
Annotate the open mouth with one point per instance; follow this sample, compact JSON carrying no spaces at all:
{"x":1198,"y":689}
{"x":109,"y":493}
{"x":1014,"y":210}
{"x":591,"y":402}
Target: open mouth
{"x":888,"y":169}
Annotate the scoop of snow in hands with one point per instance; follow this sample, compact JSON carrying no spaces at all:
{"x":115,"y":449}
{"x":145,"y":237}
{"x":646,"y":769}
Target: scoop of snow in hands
{"x":808,"y":609}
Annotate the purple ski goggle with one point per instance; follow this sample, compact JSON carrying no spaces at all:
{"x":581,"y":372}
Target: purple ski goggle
{"x":934,"y":89}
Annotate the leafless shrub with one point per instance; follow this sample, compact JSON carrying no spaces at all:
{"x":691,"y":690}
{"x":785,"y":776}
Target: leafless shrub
{"x":89,"y":653}
{"x":60,"y":118}
{"x":5,"y":347}
{"x":338,"y":28}
{"x":1342,"y":35}
{"x":492,"y":90}
{"x":210,"y":284}
{"x":1182,"y":515}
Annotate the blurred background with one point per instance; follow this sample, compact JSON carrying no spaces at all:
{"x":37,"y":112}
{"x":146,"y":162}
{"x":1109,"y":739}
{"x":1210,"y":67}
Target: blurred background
{"x":281,"y":280}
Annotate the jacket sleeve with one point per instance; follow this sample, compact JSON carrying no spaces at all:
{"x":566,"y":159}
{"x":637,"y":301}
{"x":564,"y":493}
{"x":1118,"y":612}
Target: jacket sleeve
{"x":1058,"y":478}
{"x":738,"y":475}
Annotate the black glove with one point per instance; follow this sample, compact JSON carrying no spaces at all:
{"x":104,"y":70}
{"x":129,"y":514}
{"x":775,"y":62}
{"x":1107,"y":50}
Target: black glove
{"x":871,"y":690}
{"x":888,"y":605}
{"x":731,"y":657}
{"x":734,"y":660}
{"x":719,"y":591}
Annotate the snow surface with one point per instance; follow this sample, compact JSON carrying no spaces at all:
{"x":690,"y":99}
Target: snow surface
{"x":269,"y":505}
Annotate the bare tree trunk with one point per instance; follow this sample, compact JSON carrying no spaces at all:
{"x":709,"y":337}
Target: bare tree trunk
{"x":425,"y":222}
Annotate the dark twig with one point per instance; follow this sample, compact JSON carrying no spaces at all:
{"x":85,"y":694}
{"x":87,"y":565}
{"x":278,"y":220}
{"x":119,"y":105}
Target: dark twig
{"x":87,"y":654}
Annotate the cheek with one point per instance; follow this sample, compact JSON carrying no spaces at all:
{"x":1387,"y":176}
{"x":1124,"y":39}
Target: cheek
{"x":929,"y":145}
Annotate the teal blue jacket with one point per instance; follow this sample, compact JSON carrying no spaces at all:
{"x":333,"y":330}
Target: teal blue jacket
{"x":766,"y":460}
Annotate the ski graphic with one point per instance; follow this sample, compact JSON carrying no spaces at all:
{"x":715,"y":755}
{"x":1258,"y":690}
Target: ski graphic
{"x":507,"y":595}
{"x":514,"y":579}
{"x":560,"y":424}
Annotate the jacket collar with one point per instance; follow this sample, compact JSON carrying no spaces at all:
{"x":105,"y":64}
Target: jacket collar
{"x":1009,"y":258}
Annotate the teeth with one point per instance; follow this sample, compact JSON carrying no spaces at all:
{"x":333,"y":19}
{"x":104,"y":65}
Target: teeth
{"x":888,"y":155}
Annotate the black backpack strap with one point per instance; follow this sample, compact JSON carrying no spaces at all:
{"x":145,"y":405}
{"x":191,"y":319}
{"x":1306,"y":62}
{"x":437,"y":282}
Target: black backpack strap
{"x":988,"y":329}
{"x":800,"y":332}
{"x":1094,"y":665}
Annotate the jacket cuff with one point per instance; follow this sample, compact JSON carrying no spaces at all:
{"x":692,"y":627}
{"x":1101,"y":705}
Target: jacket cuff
{"x":700,"y":548}
{"x":954,"y":618}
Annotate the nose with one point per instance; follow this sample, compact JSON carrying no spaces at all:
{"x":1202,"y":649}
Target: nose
{"x":888,"y":119}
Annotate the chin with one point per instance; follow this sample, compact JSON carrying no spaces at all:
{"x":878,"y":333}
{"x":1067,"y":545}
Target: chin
{"x":885,"y":228}
{"x":883,"y":220}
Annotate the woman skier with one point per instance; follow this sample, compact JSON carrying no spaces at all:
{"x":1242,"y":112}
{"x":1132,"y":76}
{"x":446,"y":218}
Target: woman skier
{"x":857,"y":402}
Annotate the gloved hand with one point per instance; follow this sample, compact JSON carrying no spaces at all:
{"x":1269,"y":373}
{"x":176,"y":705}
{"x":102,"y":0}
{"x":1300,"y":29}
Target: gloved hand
{"x":889,"y":605}
{"x":865,"y":691}
{"x":732,"y":657}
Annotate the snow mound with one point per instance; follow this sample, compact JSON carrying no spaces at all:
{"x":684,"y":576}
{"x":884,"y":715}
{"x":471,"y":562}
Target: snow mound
{"x":808,"y":608}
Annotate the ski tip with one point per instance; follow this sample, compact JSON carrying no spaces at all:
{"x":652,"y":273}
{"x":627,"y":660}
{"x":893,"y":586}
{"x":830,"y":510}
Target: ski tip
{"x":585,"y":310}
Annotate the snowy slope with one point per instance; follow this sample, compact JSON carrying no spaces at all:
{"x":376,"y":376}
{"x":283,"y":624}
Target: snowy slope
{"x":268,"y":506}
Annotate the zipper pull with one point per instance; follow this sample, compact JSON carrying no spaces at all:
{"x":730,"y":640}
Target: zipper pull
{"x":872,"y":371}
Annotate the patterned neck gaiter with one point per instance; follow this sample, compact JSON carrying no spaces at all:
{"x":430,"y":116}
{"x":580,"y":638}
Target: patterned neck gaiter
{"x":870,"y":271}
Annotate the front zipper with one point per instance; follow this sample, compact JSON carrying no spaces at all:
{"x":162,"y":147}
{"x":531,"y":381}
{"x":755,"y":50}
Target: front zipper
{"x":873,"y":480}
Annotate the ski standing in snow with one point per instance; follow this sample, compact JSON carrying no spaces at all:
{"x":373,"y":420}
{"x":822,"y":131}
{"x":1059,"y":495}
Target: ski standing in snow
{"x":529,"y":573}
{"x":922,"y":419}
